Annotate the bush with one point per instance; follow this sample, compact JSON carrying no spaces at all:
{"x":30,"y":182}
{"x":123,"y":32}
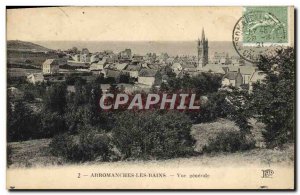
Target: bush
{"x":87,"y":146}
{"x":52,"y":124}
{"x":153,"y":134}
{"x":22,"y":122}
{"x":229,"y":142}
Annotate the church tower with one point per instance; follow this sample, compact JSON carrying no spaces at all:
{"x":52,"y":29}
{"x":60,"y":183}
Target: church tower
{"x":202,"y":47}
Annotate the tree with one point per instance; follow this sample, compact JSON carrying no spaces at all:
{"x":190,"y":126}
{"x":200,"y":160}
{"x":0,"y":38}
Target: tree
{"x":55,"y":98}
{"x":153,"y":134}
{"x":22,"y":123}
{"x":52,"y":124}
{"x":274,"y":98}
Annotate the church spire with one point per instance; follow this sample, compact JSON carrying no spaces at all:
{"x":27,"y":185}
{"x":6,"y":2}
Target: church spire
{"x":203,"y":34}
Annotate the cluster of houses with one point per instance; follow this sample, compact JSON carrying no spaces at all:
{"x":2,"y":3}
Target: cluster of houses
{"x":145,"y":75}
{"x":145,"y":70}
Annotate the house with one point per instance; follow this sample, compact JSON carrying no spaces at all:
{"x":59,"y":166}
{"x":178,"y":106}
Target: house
{"x":117,"y":66}
{"x":246,"y":72}
{"x":257,"y":76}
{"x":147,"y":76}
{"x":213,"y":68}
{"x":35,"y":78}
{"x":94,"y":58}
{"x":76,"y":58}
{"x":103,"y":61}
{"x":98,"y":68}
{"x":133,"y":70}
{"x":111,"y":58}
{"x":109,"y":73}
{"x":126,"y":54}
{"x":189,"y":67}
{"x":86,"y":58}
{"x":121,"y":66}
{"x":137,"y":58}
{"x":231,"y":78}
{"x":50,"y":66}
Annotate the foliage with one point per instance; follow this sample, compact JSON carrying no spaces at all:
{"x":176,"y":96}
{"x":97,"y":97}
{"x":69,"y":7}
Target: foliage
{"x":240,"y":109}
{"x":274,"y":98}
{"x":52,"y":124}
{"x":83,"y":107}
{"x":215,"y":107}
{"x":22,"y":123}
{"x":55,"y":98}
{"x":124,"y":78}
{"x":201,"y":84}
{"x":28,"y":96}
{"x":229,"y":142}
{"x":87,"y":146}
{"x":153,"y":134}
{"x":72,"y":79}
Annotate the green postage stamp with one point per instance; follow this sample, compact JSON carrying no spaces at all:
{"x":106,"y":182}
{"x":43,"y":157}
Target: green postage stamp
{"x":265,"y":25}
{"x":260,"y":30}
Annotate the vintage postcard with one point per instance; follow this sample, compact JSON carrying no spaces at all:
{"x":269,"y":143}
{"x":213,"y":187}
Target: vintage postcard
{"x":151,"y":98}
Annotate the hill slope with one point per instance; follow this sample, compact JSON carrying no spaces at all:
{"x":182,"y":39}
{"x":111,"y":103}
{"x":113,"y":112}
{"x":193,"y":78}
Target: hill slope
{"x":27,"y":46}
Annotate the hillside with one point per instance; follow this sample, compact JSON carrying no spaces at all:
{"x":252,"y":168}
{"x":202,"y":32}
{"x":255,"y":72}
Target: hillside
{"x":27,"y":46}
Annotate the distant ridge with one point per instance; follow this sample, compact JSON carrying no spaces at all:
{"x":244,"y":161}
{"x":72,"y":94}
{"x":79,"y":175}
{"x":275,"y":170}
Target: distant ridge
{"x":25,"y":46}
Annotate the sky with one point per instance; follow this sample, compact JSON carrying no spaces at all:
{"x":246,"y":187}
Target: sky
{"x":121,"y":23}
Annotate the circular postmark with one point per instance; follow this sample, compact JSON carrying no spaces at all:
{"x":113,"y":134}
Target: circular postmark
{"x":257,"y":33}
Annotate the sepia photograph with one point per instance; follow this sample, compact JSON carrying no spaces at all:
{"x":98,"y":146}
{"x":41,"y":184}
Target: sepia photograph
{"x":144,"y":98}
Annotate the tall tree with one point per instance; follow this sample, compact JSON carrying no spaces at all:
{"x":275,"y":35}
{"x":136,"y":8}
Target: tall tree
{"x":274,"y":99}
{"x":55,"y":98}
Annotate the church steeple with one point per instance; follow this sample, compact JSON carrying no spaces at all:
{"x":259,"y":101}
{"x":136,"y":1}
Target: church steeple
{"x":202,"y":47}
{"x":203,"y":34}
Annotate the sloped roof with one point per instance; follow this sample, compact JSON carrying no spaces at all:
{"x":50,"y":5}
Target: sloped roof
{"x":213,"y":68}
{"x":38,"y":76}
{"x":188,"y":65}
{"x":133,"y":68}
{"x":121,"y":66}
{"x":147,"y":73}
{"x":231,"y":75}
{"x":96,"y":66}
{"x":112,"y":73}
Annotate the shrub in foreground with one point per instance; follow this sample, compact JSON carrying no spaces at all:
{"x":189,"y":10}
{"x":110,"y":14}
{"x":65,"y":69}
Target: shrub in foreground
{"x":229,"y":142}
{"x":153,"y":134}
{"x":87,"y":146}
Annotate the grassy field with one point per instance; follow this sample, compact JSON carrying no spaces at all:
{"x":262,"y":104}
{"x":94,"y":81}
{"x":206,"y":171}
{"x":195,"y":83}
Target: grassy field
{"x":35,"y":153}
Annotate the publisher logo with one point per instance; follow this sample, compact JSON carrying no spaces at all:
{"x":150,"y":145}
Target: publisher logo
{"x":267,"y":173}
